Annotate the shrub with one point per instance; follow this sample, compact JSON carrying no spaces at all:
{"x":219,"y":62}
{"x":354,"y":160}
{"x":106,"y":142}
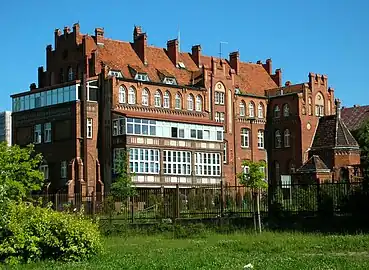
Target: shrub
{"x":31,"y":233}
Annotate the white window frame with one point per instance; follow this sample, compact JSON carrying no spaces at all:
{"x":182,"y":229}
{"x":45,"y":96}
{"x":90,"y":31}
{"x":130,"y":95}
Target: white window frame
{"x":251,"y":109}
{"x":208,"y":164}
{"x":190,"y":101}
{"x":177,"y":162}
{"x":245,"y":138}
{"x":225,"y":153}
{"x":286,"y":110}
{"x":178,"y":101}
{"x":142,"y":77}
{"x":63,"y":169}
{"x":70,"y":74}
{"x":171,"y":81}
{"x":278,"y":139}
{"x":47,"y":132}
{"x":287,"y":137}
{"x":260,"y":111}
{"x":37,"y":134}
{"x":276,"y":112}
{"x":122,"y":94}
{"x":166,"y":100}
{"x":157,"y":98}
{"x":242,"y":108}
{"x":198,"y":103}
{"x":45,"y":170}
{"x":89,"y":126}
{"x":261,"y":139}
{"x":131,"y":96}
{"x":145,"y":97}
{"x":144,"y":161}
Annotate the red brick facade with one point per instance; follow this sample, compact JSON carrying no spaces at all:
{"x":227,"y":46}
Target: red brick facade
{"x":239,"y":96}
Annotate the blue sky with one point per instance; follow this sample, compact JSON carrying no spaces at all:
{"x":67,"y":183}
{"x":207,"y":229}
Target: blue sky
{"x":322,"y":36}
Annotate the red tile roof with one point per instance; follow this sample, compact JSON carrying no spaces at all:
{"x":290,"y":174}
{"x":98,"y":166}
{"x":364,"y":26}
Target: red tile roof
{"x":354,"y":117}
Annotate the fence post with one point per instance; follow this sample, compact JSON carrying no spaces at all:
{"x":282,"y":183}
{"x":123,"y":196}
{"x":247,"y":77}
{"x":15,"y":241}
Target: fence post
{"x":221,"y":198}
{"x":177,"y":202}
{"x":93,"y":204}
{"x":133,"y":209}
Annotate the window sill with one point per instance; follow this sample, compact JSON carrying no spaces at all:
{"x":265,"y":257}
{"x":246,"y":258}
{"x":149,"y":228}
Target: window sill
{"x":245,"y":147}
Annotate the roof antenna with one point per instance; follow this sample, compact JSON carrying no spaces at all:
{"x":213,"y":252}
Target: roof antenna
{"x":220,"y":48}
{"x":179,"y":40}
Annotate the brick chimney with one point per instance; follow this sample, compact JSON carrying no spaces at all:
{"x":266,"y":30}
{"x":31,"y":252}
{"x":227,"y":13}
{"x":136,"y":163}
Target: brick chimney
{"x":338,"y":108}
{"x":234,"y":61}
{"x":277,"y":77}
{"x":140,"y":43}
{"x":172,"y":50}
{"x":40,"y":73}
{"x":268,"y":66}
{"x":196,"y":54}
{"x":57,"y":34}
{"x":99,"y":36}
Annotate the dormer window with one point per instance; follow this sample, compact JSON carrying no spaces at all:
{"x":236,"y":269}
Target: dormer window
{"x":142,"y":77}
{"x":115,"y":73}
{"x":181,"y":65}
{"x":168,"y":80}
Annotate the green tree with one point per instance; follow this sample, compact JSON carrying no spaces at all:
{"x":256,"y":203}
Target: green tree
{"x":254,"y":178}
{"x":362,"y":137}
{"x":19,"y":172}
{"x":122,"y":187}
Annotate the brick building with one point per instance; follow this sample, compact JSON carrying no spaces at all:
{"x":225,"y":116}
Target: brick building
{"x":184,"y":118}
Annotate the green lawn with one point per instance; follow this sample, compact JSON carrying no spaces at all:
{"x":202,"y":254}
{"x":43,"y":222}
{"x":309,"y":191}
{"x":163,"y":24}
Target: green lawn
{"x":232,"y":252}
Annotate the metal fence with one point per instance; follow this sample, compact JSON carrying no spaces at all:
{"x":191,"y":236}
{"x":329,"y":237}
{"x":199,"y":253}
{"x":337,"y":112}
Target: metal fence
{"x":212,"y":201}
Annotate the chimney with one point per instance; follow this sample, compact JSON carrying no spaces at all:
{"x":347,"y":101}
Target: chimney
{"x":277,"y":77}
{"x":172,"y":50}
{"x":40,"y":77}
{"x":140,"y":43}
{"x":32,"y":86}
{"x":338,"y":108}
{"x":99,"y":36}
{"x":268,"y":66}
{"x":57,"y":34}
{"x":234,"y":61}
{"x":196,"y":54}
{"x":66,"y":31}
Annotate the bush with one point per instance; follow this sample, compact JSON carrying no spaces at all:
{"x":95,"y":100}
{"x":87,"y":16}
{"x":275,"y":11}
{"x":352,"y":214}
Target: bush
{"x":31,"y":233}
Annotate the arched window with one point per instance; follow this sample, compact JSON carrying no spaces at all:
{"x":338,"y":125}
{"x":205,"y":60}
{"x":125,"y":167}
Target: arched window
{"x":287,"y":136}
{"x":278,"y":139}
{"x":277,"y":111}
{"x":245,"y":137}
{"x":157,"y":98}
{"x":310,"y":106}
{"x":145,"y":97}
{"x":251,"y":109}
{"x":166,"y":100}
{"x":319,"y":105}
{"x":122,"y":94}
{"x":178,"y":101}
{"x":199,"y":103}
{"x":286,"y":110}
{"x":190,"y":102}
{"x":242,"y":108}
{"x":261,"y":139}
{"x":131,"y":96}
{"x":260,"y":110}
{"x":70,"y":74}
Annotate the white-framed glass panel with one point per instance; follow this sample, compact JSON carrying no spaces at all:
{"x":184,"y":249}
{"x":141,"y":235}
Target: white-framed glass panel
{"x":261,"y":139}
{"x":190,"y":102}
{"x":122,"y":94}
{"x":286,"y":110}
{"x":242,"y":108}
{"x":89,"y":128}
{"x":178,"y":101}
{"x":207,"y":164}
{"x":251,"y":109}
{"x":277,"y":111}
{"x":260,"y":110}
{"x":37,"y":135}
{"x":166,"y":100}
{"x":278,"y":139}
{"x":245,"y":137}
{"x":63,"y":169}
{"x":145,"y":97}
{"x":45,"y":170}
{"x":131,"y":96}
{"x":145,"y":161}
{"x":157,"y":99}
{"x":287,"y":136}
{"x":198,"y":103}
{"x":70,"y":74}
{"x":177,"y":162}
{"x":47,"y":132}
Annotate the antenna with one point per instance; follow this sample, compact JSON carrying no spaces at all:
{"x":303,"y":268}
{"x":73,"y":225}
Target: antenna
{"x":179,"y":40}
{"x":220,"y":48}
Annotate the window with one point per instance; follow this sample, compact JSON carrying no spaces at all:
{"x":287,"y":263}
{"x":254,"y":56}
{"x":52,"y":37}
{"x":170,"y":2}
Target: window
{"x":47,"y":132}
{"x":115,"y":73}
{"x":143,"y":160}
{"x":287,"y":136}
{"x":141,"y":126}
{"x":260,"y":110}
{"x":262,"y":170}
{"x":168,"y":80}
{"x":145,"y":97}
{"x":207,"y":164}
{"x":225,"y":153}
{"x":261,"y":139}
{"x":177,"y":162}
{"x":70,"y":74}
{"x":242,"y":108}
{"x":219,"y":98}
{"x":181,"y":65}
{"x":166,"y":100}
{"x":131,"y":96}
{"x":277,"y":111}
{"x":45,"y":170}
{"x":142,"y":77}
{"x":63,"y":169}
{"x":199,"y":103}
{"x":119,"y":126}
{"x":319,"y":105}
{"x":178,"y":101}
{"x":286,"y":110}
{"x":245,"y":137}
{"x":122,"y":94}
{"x":89,"y":128}
{"x":190,"y":102}
{"x":278,"y":139}
{"x":219,"y":117}
{"x":37,"y":134}
{"x":157,"y":98}
{"x":310,"y":106}
{"x":251,"y":109}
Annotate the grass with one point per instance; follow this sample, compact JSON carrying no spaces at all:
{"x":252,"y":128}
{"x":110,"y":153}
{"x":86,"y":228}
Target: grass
{"x":215,"y":251}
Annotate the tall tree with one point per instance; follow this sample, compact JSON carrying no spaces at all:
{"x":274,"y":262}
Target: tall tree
{"x":19,"y":171}
{"x":122,"y":188}
{"x":254,"y":178}
{"x":362,"y":137}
